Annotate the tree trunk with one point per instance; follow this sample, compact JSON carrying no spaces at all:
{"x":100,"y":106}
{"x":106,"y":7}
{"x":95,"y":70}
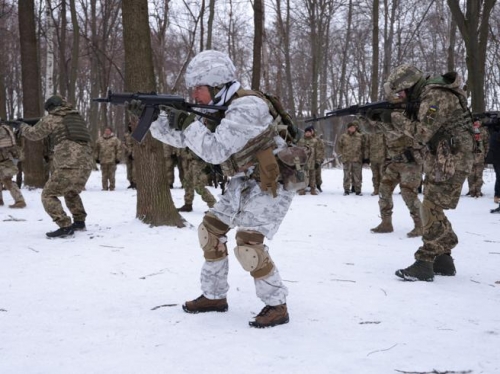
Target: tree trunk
{"x":258,"y":17}
{"x":474,"y":28}
{"x":62,"y":69}
{"x":74,"y":54}
{"x":154,"y":201}
{"x":375,"y":53}
{"x":210,"y":24}
{"x":34,"y":172}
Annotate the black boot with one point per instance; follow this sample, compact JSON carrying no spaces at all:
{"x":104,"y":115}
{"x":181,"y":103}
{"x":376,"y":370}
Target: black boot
{"x":62,"y":232}
{"x":318,"y":186}
{"x":443,"y":265}
{"x":419,"y":271}
{"x":79,"y":226}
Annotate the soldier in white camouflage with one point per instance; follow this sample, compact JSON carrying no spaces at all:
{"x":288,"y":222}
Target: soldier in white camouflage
{"x":9,"y":152}
{"x":243,"y":144}
{"x":107,"y":154}
{"x":72,"y":163}
{"x":438,"y":120}
{"x":481,"y":142}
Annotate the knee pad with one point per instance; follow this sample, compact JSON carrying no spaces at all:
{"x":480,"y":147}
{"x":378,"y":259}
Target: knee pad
{"x":212,"y":236}
{"x":252,"y":254}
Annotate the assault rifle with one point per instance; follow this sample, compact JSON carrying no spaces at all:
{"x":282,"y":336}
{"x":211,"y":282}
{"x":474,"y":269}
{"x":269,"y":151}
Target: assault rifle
{"x":15,"y":123}
{"x":489,"y":119}
{"x":151,"y":102}
{"x":358,"y":109}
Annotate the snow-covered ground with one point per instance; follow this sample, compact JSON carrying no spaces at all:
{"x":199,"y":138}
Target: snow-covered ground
{"x":109,"y":299}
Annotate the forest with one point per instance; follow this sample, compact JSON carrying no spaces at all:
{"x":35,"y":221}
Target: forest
{"x":316,"y":55}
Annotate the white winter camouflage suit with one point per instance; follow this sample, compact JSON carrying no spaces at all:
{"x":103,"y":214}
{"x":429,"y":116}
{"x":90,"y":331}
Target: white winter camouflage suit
{"x":243,"y":204}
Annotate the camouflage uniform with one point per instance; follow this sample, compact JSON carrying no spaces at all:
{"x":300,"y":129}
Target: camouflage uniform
{"x":377,"y":155}
{"x":244,"y":133}
{"x":320,"y":158}
{"x":475,"y":179}
{"x":72,"y":165}
{"x":171,"y":160}
{"x":128,"y":153}
{"x":195,"y":178}
{"x":352,"y":152}
{"x":8,"y":152}
{"x":310,"y":142}
{"x":401,"y":167}
{"x":107,"y":153}
{"x":441,"y":123}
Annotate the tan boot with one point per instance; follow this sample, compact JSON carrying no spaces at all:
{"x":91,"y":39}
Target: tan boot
{"x":18,"y":205}
{"x":313,"y":191}
{"x":203,"y":305}
{"x":271,"y":316}
{"x":384,"y":227}
{"x":417,"y":230}
{"x":302,"y":192}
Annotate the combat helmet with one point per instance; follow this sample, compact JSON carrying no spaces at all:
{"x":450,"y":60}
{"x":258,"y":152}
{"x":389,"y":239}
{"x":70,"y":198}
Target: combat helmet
{"x":53,"y":102}
{"x":210,"y":68}
{"x":402,"y":78}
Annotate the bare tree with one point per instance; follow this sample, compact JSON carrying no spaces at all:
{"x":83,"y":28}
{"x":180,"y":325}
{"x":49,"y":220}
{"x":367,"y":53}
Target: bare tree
{"x":473,"y":26}
{"x":258,"y":10}
{"x":375,"y":51}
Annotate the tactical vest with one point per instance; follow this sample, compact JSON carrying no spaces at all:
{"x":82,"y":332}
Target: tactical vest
{"x":75,"y":129}
{"x":458,"y":129}
{"x":247,"y":157}
{"x":8,"y":146}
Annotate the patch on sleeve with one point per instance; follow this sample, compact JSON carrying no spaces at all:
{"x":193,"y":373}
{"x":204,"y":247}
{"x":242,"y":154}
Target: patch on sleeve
{"x":433,"y":109}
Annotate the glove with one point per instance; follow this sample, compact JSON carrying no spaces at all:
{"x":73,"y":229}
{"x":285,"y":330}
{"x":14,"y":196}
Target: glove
{"x":179,"y":119}
{"x":131,"y":158}
{"x":135,"y":107}
{"x":383,"y":115}
{"x":97,"y":161}
{"x":366,"y":161}
{"x":117,"y":161}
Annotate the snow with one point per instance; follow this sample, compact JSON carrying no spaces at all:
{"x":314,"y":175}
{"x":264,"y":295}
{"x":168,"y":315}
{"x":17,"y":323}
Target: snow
{"x":88,"y":304}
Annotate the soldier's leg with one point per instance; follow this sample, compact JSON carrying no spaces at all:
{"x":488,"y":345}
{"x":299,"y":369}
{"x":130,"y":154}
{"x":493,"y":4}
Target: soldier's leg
{"x":104,"y":177}
{"x":319,"y":179}
{"x":376,"y":177}
{"x":72,"y":194}
{"x":410,"y":181}
{"x":188,"y":184}
{"x":347,"y":176}
{"x":200,"y":181}
{"x":254,"y":257}
{"x":212,"y":236}
{"x":112,"y":176}
{"x":389,"y":181}
{"x":357,"y":173}
{"x":15,"y":192}
{"x":54,"y":187}
{"x":169,"y":165}
{"x":480,"y":180}
{"x":312,"y":180}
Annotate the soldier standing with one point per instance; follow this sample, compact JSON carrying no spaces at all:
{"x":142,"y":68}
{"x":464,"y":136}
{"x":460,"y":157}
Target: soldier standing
{"x":376,"y":153}
{"x":171,"y":161}
{"x":72,"y":163}
{"x":437,"y":118}
{"x":352,"y":152}
{"x":481,"y":142}
{"x":320,"y":156}
{"x":310,"y":141}
{"x":8,"y":153}
{"x":107,"y":153}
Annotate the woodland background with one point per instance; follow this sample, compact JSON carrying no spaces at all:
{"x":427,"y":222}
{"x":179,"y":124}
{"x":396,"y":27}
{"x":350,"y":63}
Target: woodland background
{"x":316,"y":55}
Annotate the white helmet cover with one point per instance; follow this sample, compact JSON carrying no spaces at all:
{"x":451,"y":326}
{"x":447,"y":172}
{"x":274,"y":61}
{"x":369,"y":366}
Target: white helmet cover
{"x":210,"y":68}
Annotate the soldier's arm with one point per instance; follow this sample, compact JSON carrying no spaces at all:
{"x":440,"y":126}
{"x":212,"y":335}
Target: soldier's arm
{"x":40,"y":130}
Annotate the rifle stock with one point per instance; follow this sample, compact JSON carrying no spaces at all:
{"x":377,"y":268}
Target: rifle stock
{"x":151,"y":102}
{"x":358,"y":109}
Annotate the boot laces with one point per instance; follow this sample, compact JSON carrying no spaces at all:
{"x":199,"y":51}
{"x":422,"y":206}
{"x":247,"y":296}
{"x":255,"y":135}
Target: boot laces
{"x":265,"y":311}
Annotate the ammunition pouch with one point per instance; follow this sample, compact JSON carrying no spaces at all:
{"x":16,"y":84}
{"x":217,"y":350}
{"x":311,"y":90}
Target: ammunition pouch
{"x":293,"y":163}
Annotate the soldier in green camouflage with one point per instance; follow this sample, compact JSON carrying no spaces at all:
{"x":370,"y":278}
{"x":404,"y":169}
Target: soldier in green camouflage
{"x":310,"y":141}
{"x":438,"y":120}
{"x":128,"y":153}
{"x":352,"y":152}
{"x":403,"y":168}
{"x":8,"y":154}
{"x":107,"y":153}
{"x":72,"y":163}
{"x":171,"y":160}
{"x":320,"y":158}
{"x":376,"y":148}
{"x":481,"y":142}
{"x":195,"y":180}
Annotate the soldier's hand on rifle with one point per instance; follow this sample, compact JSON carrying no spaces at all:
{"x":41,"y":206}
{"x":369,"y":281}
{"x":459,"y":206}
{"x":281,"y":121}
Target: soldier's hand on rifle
{"x":135,"y":107}
{"x":379,"y":114}
{"x":179,"y":119}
